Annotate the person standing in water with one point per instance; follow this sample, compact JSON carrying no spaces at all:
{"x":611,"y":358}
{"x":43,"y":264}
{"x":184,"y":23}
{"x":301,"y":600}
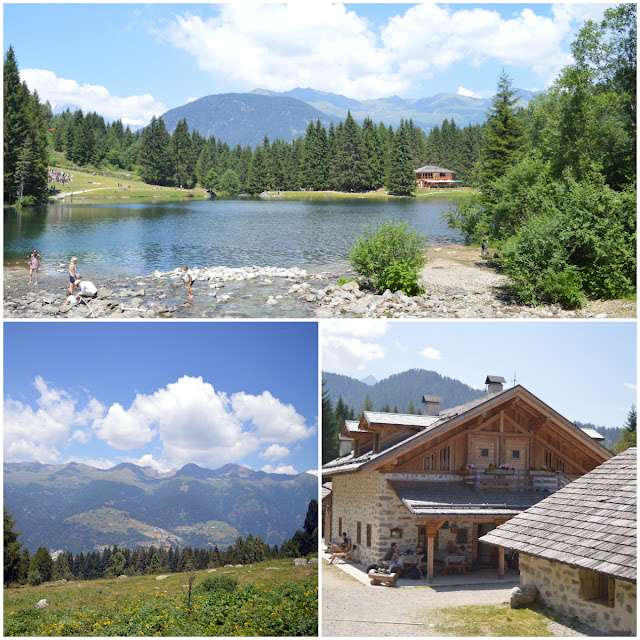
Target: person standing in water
{"x":34,"y":261}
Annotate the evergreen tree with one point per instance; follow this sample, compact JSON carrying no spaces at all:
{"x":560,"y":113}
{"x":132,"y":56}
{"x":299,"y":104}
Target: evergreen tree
{"x":182,"y":155}
{"x":352,"y":172}
{"x":154,"y":156}
{"x":629,"y":434}
{"x":503,"y":135}
{"x":15,"y":124}
{"x":401,"y":178}
{"x":375,"y":153}
{"x":11,"y":549}
{"x":42,"y":563}
{"x":257,"y":178}
{"x":330,"y":444}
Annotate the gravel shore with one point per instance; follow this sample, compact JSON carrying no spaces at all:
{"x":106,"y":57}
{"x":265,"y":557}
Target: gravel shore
{"x":458,"y":283}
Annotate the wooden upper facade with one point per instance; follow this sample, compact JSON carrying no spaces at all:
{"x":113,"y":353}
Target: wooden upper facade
{"x":432,"y":176}
{"x":511,"y":426}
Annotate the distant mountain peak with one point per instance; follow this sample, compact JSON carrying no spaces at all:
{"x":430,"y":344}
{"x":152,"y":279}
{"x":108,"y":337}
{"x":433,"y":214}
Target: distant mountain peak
{"x":370,"y":380}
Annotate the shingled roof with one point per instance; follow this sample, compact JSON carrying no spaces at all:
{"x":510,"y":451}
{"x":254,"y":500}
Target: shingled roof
{"x":590,"y":524}
{"x":456,"y":499}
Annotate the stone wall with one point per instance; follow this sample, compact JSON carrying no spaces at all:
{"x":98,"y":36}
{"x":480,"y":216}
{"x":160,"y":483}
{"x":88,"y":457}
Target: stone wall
{"x":368,"y":498}
{"x":559,"y":588}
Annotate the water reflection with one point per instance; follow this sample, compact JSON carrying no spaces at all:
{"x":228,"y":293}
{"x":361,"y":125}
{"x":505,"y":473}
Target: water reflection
{"x":139,"y":238}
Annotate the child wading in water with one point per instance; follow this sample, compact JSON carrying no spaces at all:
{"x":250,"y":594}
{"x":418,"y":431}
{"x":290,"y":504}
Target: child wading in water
{"x":34,"y":260}
{"x":189,"y":279}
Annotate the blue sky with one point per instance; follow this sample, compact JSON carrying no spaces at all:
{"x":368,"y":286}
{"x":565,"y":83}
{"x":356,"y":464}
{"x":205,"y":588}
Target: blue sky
{"x":584,"y":370}
{"x":133,"y":61}
{"x":162,"y":394}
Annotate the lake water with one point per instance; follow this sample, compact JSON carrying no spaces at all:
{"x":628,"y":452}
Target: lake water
{"x":137,"y":239}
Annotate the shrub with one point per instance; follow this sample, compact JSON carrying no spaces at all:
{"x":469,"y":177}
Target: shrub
{"x":218,"y":583}
{"x":390,"y":256}
{"x":34,"y":578}
{"x":28,"y":201}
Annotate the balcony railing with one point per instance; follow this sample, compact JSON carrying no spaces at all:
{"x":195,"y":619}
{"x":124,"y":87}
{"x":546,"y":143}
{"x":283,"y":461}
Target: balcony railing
{"x":482,"y":480}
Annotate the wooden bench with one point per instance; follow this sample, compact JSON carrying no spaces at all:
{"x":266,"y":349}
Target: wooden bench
{"x":458,"y":567}
{"x":388,"y":579}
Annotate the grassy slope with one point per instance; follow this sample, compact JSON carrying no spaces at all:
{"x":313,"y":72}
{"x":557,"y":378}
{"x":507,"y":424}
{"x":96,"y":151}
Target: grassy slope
{"x":145,"y":606}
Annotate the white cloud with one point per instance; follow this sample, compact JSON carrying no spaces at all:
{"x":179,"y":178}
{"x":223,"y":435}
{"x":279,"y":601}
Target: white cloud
{"x":59,"y":91}
{"x":272,"y":419}
{"x":287,"y":469}
{"x":191,"y":99}
{"x":98,"y":463}
{"x":275,"y":452}
{"x":314,"y":472}
{"x":332,"y":49}
{"x":629,"y":385}
{"x":431,"y":354}
{"x":36,"y":433}
{"x":349,"y":345}
{"x":468,"y":93}
{"x":149,"y":461}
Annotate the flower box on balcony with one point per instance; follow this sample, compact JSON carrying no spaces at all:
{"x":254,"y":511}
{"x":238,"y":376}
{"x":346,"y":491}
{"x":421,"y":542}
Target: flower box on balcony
{"x":540,"y":472}
{"x":502,"y":472}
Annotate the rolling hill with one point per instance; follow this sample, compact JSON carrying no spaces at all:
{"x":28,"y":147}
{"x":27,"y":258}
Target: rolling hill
{"x":77,"y":507}
{"x":245,"y":118}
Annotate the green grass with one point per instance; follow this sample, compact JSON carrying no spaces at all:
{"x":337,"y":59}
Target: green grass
{"x":280,"y":602}
{"x":492,"y":620}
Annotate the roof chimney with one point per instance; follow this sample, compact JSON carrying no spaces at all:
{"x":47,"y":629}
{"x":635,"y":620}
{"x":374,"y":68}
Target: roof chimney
{"x":431,"y":405}
{"x":494,"y":384}
{"x":345,"y":445}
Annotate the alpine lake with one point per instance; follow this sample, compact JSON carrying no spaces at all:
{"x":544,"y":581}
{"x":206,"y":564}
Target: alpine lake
{"x":125,"y":244}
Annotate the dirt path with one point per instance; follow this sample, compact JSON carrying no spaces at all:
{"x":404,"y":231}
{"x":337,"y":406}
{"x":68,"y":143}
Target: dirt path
{"x":350,"y":609}
{"x":59,"y":196}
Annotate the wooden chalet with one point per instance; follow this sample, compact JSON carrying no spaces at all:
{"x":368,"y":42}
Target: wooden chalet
{"x":579,"y":546}
{"x":404,"y":479}
{"x":435,"y":177}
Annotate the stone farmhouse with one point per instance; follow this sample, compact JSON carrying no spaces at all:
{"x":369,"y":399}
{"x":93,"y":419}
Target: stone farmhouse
{"x":578,"y":546}
{"x":435,"y":177}
{"x":403,"y":478}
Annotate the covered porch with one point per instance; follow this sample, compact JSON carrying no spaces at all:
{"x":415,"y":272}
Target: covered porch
{"x":451,"y":517}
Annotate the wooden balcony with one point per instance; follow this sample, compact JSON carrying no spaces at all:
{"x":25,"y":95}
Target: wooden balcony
{"x":481,"y":480}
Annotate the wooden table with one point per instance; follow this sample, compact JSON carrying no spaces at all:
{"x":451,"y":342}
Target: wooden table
{"x":459,"y":567}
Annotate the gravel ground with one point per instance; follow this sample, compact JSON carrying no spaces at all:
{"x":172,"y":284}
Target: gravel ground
{"x":350,"y":609}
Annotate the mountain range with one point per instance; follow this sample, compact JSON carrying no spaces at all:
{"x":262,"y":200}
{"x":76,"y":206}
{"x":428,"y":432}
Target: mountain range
{"x":77,"y":507}
{"x":245,"y":118}
{"x":399,"y":390}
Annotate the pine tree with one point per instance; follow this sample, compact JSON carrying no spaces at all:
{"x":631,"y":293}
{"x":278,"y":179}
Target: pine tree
{"x":629,"y":433}
{"x":14,"y":122}
{"x":351,"y":170}
{"x":154,"y":153}
{"x":11,"y":549}
{"x":181,"y":153}
{"x":330,"y":444}
{"x":257,"y":178}
{"x":503,"y":135}
{"x":42,"y":563}
{"x":401,"y":178}
{"x":374,"y":151}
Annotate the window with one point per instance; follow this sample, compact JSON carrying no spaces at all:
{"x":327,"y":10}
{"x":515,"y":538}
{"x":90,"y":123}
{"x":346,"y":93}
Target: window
{"x":484,"y":453}
{"x":461,"y":536}
{"x":359,"y":532}
{"x":368,"y":535}
{"x":597,"y":587}
{"x":515,"y":454}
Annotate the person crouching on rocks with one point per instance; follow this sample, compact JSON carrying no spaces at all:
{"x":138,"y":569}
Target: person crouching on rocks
{"x":189,"y":279}
{"x":87,"y":288}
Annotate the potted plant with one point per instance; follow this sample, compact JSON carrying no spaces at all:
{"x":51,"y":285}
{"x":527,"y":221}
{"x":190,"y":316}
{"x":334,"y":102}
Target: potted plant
{"x":466,"y":469}
{"x":505,"y":469}
{"x":541,"y":471}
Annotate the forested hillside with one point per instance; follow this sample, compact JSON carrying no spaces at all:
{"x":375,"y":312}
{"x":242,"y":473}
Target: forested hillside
{"x":78,"y":507}
{"x":345,"y":398}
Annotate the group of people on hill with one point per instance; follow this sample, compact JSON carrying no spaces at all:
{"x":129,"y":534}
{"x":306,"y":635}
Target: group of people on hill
{"x":56,"y":175}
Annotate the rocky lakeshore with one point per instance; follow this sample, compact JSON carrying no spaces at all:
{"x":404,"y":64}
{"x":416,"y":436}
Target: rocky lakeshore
{"x":458,"y":284}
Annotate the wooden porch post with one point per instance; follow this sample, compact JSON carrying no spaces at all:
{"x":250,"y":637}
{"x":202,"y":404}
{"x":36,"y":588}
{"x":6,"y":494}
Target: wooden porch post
{"x":432,"y":532}
{"x":500,"y":562}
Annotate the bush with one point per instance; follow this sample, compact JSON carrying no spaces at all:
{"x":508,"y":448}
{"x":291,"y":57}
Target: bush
{"x":34,"y":578}
{"x":28,"y":201}
{"x":390,"y":256}
{"x":218,"y":583}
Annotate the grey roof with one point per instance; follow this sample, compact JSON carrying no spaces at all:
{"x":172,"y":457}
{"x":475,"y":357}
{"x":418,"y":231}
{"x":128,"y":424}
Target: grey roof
{"x":591,"y":523}
{"x":349,"y":463}
{"x":431,"y":398}
{"x":491,"y":379}
{"x":456,"y":499}
{"x":432,"y":167}
{"x":326,"y":489}
{"x":352,"y":426}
